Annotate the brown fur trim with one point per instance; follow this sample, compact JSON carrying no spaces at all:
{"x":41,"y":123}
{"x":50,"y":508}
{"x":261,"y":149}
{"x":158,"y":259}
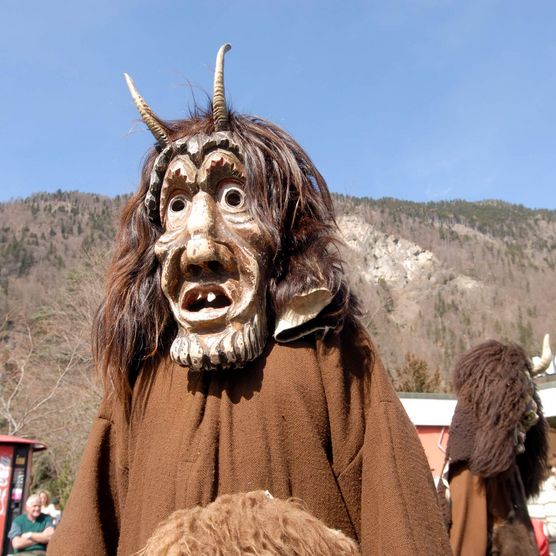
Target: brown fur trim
{"x":291,"y":202}
{"x":533,"y":463}
{"x":513,"y":538}
{"x":249,"y":523}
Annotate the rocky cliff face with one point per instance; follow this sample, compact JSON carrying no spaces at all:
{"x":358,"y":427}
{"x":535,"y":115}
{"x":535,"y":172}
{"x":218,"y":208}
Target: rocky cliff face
{"x":395,"y":260}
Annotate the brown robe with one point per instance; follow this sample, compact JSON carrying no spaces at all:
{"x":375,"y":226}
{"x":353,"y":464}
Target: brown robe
{"x":317,"y":420}
{"x":469,"y":528}
{"x":489,"y":516}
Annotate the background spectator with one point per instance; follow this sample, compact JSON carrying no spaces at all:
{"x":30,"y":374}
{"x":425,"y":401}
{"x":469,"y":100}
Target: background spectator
{"x":54,"y":510}
{"x":31,"y":531}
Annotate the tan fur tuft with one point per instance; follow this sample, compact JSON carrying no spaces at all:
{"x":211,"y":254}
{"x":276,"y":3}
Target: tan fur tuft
{"x":247,"y":523}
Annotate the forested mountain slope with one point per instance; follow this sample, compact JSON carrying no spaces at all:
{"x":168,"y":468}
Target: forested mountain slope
{"x":437,"y":278}
{"x":433,"y":278}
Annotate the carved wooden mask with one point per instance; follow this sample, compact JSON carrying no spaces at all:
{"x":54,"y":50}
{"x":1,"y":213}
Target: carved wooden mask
{"x":214,"y":258}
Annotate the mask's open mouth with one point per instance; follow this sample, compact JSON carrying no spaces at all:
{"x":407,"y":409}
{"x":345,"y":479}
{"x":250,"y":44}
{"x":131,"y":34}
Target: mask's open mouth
{"x":206,"y":298}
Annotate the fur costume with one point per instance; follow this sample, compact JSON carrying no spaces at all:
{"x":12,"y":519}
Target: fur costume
{"x":251,"y":523}
{"x":226,"y":264}
{"x":497,"y":452}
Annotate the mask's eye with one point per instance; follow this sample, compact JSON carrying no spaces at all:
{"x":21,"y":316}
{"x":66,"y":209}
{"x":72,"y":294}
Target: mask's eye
{"x":176,"y":211}
{"x":177,"y":204}
{"x":232,"y":196}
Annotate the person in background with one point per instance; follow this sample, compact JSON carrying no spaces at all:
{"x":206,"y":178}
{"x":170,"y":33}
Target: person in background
{"x":44,"y":497}
{"x":31,"y":531}
{"x":496,"y":454}
{"x":54,"y":510}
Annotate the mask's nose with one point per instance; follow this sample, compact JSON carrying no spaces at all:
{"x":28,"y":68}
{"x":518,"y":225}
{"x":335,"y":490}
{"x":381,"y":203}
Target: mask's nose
{"x":202,"y":254}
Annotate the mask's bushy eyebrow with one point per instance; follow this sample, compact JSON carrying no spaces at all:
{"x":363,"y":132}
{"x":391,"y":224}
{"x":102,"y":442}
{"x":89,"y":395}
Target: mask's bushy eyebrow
{"x":218,"y":166}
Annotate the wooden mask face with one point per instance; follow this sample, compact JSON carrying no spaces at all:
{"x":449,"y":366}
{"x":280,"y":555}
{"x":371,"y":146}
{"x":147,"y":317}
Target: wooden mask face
{"x":214,"y":260}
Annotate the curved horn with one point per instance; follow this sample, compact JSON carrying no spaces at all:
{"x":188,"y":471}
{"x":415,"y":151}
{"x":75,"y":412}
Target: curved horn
{"x":546,"y":356}
{"x":153,"y":123}
{"x":219,"y":108}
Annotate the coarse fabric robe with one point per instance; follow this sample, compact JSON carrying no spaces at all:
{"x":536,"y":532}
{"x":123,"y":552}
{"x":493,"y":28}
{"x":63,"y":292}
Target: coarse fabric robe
{"x":489,"y":516}
{"x":315,"y":419}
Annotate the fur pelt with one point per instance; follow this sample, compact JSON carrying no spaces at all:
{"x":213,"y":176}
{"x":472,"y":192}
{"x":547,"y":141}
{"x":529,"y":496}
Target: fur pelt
{"x":291,"y":203}
{"x":247,"y":523}
{"x":513,"y":538}
{"x":492,"y":386}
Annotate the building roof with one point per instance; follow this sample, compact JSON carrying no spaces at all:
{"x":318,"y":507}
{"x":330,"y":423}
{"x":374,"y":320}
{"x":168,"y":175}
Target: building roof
{"x":438,"y":409}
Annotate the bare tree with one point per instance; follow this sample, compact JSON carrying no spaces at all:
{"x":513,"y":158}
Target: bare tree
{"x":48,"y":388}
{"x":26,"y":395}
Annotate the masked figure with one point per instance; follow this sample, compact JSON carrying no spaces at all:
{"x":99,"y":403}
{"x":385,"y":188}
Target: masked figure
{"x":497,"y":453}
{"x":232,"y":356}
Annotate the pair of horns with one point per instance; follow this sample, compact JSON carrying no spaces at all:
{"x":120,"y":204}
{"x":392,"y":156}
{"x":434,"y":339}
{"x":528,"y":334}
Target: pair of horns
{"x":219,"y":108}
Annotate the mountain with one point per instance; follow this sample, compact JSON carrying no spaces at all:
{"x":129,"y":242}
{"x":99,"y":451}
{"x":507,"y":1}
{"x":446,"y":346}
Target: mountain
{"x":437,"y":278}
{"x":44,"y":236}
{"x":433,"y":278}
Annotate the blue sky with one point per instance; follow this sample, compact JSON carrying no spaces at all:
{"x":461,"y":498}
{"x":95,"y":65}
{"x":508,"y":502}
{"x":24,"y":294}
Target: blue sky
{"x":415,"y":99}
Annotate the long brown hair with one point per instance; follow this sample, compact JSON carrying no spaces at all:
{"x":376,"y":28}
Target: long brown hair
{"x":289,"y":198}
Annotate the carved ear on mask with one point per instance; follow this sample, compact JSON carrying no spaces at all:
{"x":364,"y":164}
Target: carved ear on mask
{"x":301,"y":298}
{"x":298,"y":317}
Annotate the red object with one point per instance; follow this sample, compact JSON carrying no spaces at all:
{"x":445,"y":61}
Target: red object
{"x":6,"y":455}
{"x":541,"y":537}
{"x":15,"y":480}
{"x":37,"y":446}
